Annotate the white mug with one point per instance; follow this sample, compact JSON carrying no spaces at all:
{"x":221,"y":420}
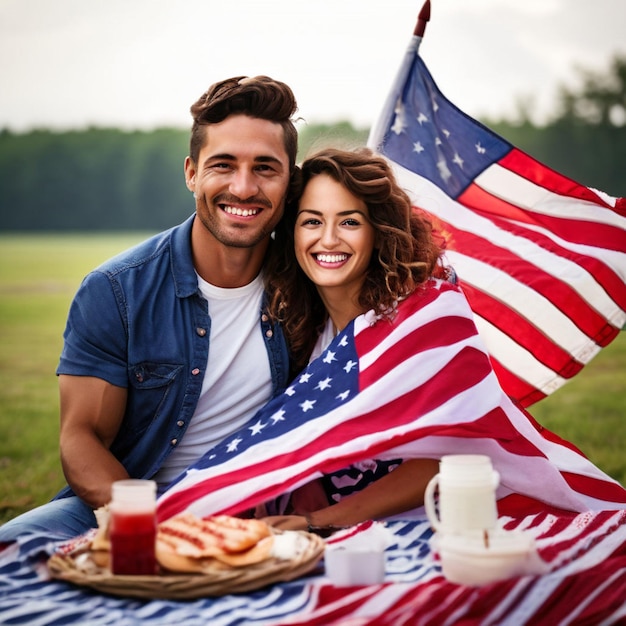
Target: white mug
{"x":467,"y":494}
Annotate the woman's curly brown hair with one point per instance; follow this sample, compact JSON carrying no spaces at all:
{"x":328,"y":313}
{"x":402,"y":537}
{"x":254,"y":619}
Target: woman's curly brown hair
{"x":406,"y":255}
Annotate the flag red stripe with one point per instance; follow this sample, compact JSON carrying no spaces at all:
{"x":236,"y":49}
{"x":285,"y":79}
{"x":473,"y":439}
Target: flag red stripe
{"x":524,"y":165}
{"x":560,"y":294}
{"x":580,"y":231}
{"x":519,"y":505}
{"x":444,"y":331}
{"x":477,"y":199}
{"x":612,"y":492}
{"x":523,"y":392}
{"x":520,"y":330}
{"x":375,"y":334}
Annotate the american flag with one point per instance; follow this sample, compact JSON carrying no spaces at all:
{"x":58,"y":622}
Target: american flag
{"x":422,"y":386}
{"x":541,"y":258}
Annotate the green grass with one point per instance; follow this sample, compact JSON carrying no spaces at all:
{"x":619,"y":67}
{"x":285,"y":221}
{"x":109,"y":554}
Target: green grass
{"x":38,"y":277}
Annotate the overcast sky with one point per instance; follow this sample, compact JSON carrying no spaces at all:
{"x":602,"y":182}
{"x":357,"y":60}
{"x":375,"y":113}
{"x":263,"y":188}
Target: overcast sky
{"x":141,"y":63}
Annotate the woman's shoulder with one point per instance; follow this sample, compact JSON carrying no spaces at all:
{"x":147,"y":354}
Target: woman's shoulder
{"x":439,"y":293}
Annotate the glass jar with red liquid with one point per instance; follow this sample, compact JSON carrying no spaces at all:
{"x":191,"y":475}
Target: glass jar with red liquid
{"x":132,"y":527}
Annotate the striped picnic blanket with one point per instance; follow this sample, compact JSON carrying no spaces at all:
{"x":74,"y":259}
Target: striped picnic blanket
{"x":585,"y":555}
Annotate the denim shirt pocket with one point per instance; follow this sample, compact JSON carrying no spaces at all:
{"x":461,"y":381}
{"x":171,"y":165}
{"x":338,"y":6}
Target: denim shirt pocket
{"x":150,"y":388}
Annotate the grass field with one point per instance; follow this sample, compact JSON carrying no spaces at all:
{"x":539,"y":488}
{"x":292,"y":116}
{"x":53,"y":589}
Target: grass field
{"x":38,"y":277}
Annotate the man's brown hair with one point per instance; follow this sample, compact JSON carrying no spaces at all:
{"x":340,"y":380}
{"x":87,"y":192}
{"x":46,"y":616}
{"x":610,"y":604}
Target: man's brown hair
{"x":259,"y":96}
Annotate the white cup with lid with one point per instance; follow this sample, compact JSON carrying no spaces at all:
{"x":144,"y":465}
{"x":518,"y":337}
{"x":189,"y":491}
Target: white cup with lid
{"x":467,"y":485}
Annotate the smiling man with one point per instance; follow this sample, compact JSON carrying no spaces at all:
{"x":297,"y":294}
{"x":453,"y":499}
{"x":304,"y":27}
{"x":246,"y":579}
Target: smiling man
{"x":167,"y":348}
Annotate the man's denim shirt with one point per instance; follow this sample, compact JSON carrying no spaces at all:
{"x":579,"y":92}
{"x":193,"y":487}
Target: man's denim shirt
{"x":139,"y":321}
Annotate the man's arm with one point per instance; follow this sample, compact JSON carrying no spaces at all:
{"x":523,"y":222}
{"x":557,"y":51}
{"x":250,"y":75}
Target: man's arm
{"x":91,"y":413}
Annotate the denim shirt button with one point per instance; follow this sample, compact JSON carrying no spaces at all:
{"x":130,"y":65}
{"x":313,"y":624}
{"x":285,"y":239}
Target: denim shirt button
{"x":201,"y":331}
{"x":180,"y":423}
{"x":195,"y":371}
{"x":174,"y":442}
{"x":268,"y":333}
{"x":264,"y":318}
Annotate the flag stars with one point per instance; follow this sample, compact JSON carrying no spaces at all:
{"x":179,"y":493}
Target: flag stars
{"x":422,"y":119}
{"x":399,"y":123}
{"x":444,"y":171}
{"x":307,"y":405}
{"x":458,"y":160}
{"x":279,"y":416}
{"x":255,"y":429}
{"x":329,"y":357}
{"x":446,"y":132}
{"x":290,"y":391}
{"x":480,"y":149}
{"x":304,"y":378}
{"x":343,"y":395}
{"x":349,"y":366}
{"x":418,"y":147}
{"x":324,"y":384}
{"x":343,"y":342}
{"x":234,"y":444}
{"x":398,"y":126}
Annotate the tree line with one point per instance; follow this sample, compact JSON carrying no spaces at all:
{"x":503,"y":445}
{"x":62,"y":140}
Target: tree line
{"x":113,"y":180}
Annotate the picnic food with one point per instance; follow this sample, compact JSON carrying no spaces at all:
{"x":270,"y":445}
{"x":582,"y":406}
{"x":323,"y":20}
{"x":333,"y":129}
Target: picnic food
{"x":186,"y":543}
{"x":247,"y":555}
{"x":101,"y":544}
{"x":189,"y":544}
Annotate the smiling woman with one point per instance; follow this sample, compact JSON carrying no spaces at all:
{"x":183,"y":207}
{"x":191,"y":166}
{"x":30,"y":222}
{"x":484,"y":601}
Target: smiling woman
{"x":334,"y":245}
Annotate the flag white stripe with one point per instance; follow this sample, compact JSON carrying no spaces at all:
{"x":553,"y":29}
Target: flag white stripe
{"x":515,"y":357}
{"x":569,"y":270}
{"x":517,"y":190}
{"x":447,"y":304}
{"x":522,"y":299}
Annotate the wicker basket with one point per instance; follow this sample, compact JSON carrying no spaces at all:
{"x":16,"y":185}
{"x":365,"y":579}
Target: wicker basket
{"x":77,"y":567}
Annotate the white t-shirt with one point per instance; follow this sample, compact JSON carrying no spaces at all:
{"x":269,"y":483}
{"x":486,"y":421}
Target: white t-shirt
{"x":237,"y":381}
{"x":326,"y":336}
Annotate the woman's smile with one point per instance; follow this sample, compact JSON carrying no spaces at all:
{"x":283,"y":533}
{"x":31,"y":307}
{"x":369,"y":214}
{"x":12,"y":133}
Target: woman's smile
{"x":333,"y":236}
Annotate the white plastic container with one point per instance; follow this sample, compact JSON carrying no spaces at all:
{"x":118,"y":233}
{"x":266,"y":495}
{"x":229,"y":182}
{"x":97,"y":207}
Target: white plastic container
{"x":467,"y":494}
{"x":475,"y":560}
{"x":349,"y":566}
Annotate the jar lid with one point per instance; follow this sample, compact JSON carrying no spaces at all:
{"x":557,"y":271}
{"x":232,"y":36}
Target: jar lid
{"x":134,"y":491}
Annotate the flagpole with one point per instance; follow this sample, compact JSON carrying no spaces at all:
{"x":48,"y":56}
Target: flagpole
{"x":377,"y":133}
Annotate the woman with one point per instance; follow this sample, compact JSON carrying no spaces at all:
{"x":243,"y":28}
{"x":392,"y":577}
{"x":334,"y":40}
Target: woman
{"x":354,"y":245}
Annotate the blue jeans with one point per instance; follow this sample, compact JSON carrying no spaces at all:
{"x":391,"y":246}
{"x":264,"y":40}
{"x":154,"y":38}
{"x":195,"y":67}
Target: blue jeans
{"x":59,"y":519}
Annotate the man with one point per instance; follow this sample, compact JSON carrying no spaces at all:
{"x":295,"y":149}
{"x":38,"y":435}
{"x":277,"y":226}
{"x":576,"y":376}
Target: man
{"x":167,"y":348}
